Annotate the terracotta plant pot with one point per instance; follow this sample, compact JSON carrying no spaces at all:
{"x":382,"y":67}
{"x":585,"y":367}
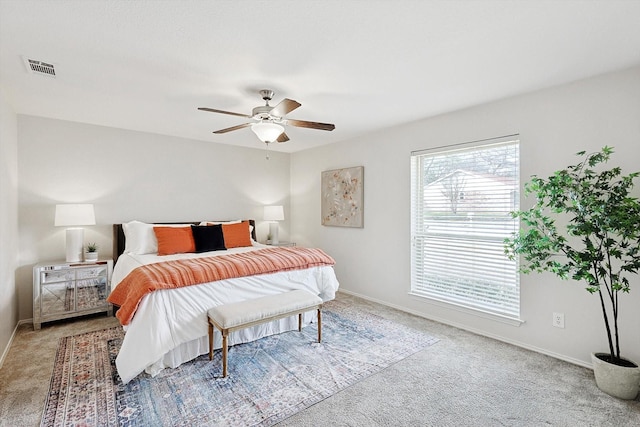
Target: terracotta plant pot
{"x":618,"y":381}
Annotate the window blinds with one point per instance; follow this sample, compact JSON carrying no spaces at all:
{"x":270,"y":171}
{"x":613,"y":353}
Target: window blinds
{"x":462,"y":197}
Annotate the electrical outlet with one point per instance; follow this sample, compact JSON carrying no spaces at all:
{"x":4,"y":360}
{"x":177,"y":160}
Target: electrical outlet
{"x":558,"y":320}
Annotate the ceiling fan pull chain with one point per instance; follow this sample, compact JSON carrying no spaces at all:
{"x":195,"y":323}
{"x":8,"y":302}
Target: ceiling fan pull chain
{"x":267,"y":150}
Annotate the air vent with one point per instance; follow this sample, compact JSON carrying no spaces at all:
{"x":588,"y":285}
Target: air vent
{"x":40,"y":67}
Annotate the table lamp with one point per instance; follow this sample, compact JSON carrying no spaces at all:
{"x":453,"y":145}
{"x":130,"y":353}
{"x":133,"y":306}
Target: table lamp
{"x":74,"y":215}
{"x":273,"y":214}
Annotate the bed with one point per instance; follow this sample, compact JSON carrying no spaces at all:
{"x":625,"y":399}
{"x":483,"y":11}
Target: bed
{"x":169,"y":326}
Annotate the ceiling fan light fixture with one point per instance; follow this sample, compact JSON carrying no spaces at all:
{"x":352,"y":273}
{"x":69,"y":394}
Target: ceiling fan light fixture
{"x":268,"y":122}
{"x":267,"y":131}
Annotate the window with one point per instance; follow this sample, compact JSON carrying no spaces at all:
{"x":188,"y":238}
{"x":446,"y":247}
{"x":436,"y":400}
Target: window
{"x":461,"y":199}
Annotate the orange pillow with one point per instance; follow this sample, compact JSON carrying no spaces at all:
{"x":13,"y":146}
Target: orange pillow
{"x":174,"y":240}
{"x":236,"y":235}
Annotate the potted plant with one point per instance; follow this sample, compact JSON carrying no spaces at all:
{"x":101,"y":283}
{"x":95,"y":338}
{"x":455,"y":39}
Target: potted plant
{"x":596,"y":240}
{"x":91,"y":252}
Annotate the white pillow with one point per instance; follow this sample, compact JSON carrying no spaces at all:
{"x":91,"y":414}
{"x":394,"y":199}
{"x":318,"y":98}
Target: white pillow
{"x":140,"y":238}
{"x":237,"y":221}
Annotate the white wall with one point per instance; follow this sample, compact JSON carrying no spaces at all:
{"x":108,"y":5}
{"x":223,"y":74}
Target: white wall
{"x":132,"y":175}
{"x":8,"y":223}
{"x":553,"y":125}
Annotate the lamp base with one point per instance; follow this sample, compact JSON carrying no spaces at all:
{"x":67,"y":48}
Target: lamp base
{"x":273,"y":230}
{"x":75,"y":237}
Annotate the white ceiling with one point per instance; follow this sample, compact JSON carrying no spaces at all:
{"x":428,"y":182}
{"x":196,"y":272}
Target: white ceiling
{"x":363,"y":65}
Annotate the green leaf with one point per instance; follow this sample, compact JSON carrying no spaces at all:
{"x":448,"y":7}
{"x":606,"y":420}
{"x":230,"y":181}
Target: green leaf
{"x":597,"y":236}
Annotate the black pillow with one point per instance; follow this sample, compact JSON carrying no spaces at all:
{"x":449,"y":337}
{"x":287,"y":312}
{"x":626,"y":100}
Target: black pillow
{"x":208,"y":238}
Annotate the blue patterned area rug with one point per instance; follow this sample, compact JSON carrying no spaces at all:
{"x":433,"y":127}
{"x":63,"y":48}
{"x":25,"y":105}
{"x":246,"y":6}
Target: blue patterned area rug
{"x":269,"y":379}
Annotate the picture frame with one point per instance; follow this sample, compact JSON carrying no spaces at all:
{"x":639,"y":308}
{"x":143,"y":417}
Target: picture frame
{"x":342,"y":193}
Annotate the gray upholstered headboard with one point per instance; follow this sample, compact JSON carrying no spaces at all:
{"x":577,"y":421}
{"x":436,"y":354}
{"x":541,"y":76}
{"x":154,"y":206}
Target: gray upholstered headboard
{"x":119,"y":239}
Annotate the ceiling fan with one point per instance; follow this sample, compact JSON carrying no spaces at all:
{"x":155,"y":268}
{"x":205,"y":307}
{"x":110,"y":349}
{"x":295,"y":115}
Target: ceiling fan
{"x":269,"y":122}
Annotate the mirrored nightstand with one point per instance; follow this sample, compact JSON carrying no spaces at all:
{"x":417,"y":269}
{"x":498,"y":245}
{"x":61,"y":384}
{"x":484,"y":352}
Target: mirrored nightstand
{"x":282,"y":244}
{"x":62,"y":290}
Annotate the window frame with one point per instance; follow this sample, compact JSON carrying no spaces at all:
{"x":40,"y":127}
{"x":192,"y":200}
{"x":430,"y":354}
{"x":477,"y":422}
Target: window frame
{"x":504,"y":308}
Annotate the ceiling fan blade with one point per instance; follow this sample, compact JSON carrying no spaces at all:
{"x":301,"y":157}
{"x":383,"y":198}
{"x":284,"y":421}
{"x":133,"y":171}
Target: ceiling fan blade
{"x":283,"y":137}
{"x":211,"y":110}
{"x":284,"y":107}
{"x":311,"y":125}
{"x":233,"y":128}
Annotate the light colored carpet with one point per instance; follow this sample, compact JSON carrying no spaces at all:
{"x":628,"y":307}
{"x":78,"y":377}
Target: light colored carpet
{"x":464,"y":380}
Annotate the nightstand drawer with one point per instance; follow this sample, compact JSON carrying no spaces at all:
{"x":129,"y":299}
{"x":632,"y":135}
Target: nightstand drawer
{"x":56,"y":276}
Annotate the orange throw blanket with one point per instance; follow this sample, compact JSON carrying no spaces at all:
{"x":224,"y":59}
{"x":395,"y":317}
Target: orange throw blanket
{"x":175,"y":274}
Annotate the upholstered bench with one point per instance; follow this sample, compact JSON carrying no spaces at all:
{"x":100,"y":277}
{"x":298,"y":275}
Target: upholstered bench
{"x":232,"y":317}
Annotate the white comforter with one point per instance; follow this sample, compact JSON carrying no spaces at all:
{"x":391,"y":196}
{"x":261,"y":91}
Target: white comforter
{"x":170,"y":326}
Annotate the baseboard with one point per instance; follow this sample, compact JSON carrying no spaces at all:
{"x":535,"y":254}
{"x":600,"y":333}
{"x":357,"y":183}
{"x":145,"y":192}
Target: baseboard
{"x":475,"y":331}
{"x":13,"y":335}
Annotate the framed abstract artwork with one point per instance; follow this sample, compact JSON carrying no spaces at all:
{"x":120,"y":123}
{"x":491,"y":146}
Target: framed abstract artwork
{"x":342,"y":197}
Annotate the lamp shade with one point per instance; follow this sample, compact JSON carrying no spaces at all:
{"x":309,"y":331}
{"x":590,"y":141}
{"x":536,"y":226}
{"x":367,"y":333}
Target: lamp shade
{"x":273,"y":213}
{"x":75,"y":214}
{"x":267,"y":131}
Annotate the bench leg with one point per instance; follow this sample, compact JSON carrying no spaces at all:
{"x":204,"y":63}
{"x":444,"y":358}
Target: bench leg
{"x":319,"y":325}
{"x":299,"y":322}
{"x":224,"y":353}
{"x":210,"y":341}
